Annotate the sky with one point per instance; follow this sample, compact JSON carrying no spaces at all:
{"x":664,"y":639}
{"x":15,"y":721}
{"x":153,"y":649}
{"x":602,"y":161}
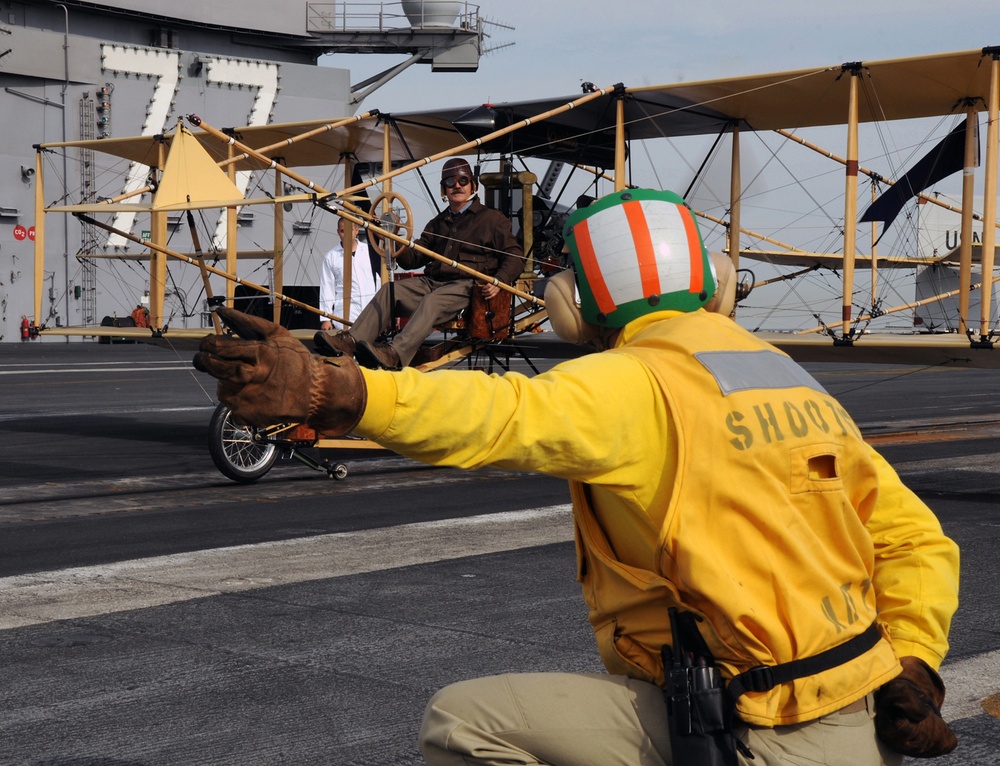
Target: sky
{"x":559,"y":44}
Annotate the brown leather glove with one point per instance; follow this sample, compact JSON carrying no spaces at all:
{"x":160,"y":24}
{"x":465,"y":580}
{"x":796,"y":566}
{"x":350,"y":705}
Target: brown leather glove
{"x":266,"y":376}
{"x":908,"y":712}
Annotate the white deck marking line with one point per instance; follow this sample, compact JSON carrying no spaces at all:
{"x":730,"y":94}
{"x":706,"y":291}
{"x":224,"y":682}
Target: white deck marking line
{"x":96,"y":590}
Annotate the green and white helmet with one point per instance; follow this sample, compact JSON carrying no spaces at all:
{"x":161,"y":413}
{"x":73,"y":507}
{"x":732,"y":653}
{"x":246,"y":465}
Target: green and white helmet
{"x":635,"y":252}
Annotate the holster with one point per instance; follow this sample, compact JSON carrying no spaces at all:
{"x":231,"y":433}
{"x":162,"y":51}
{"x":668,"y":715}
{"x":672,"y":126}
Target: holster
{"x":701,"y":707}
{"x":700,"y":732}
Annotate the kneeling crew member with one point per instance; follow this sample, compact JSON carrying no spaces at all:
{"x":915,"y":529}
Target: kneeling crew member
{"x":727,"y":485}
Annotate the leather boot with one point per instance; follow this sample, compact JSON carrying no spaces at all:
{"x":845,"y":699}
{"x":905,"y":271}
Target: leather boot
{"x":334,"y":343}
{"x":377,"y":356}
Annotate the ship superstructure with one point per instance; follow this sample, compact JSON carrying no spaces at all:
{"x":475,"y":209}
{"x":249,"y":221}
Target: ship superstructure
{"x":73,"y":71}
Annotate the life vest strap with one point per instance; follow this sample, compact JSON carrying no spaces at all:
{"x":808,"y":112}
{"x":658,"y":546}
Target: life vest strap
{"x":763,"y":678}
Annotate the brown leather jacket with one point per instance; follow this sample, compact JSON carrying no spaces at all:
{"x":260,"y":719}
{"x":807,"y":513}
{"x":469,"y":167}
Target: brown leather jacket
{"x":480,"y":238}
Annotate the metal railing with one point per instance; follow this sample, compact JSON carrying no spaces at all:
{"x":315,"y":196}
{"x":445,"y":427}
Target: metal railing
{"x":388,"y":16}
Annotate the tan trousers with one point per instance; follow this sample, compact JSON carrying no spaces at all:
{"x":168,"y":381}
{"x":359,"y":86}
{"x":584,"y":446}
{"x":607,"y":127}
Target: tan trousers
{"x":565,"y":719}
{"x":425,"y":301}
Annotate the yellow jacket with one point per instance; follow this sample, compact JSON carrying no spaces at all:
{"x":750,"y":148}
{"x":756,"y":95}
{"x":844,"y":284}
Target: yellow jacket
{"x":761,"y":510}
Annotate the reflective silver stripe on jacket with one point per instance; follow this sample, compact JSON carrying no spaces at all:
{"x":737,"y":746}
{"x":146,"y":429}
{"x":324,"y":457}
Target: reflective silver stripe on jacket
{"x":736,"y":371}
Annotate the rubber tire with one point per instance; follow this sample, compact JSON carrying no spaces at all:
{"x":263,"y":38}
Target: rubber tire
{"x":234,"y":451}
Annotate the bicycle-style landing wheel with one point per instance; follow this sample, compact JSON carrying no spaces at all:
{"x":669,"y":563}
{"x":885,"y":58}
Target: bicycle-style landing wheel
{"x":237,"y":450}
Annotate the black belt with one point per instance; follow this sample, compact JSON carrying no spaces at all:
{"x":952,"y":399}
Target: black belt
{"x":763,"y":678}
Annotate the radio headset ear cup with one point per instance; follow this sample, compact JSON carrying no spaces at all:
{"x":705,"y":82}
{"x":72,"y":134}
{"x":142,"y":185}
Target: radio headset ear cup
{"x":564,"y":312}
{"x":724,"y":300}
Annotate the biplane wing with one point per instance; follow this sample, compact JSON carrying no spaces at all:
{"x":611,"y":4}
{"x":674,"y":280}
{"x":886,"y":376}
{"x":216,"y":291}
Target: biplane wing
{"x":326,"y":145}
{"x":921,"y":350}
{"x":835,"y":261}
{"x":174,"y":338}
{"x":907,"y":88}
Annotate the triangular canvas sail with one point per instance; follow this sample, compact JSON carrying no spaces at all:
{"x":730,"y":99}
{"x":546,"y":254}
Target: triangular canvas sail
{"x":192,"y":177}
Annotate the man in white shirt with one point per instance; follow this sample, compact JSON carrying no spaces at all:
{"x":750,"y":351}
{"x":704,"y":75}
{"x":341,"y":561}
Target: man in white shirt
{"x":364,"y":283}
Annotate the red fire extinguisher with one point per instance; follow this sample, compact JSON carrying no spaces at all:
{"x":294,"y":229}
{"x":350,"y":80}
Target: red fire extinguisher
{"x":25,"y":329}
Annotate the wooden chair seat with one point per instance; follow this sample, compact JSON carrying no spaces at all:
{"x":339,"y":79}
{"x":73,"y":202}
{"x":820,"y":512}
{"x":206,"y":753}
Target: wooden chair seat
{"x":484,"y":319}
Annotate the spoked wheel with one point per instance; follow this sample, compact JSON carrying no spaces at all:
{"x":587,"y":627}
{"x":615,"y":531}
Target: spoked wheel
{"x":236,"y":449}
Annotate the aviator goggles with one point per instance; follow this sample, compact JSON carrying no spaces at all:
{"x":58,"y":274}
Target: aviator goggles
{"x":452,"y":181}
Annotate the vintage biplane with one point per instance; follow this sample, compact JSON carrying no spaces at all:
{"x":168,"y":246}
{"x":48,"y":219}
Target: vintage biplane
{"x":608,"y":138}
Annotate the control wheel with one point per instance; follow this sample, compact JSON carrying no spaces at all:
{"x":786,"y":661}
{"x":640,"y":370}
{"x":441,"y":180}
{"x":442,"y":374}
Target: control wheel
{"x":392,"y":214}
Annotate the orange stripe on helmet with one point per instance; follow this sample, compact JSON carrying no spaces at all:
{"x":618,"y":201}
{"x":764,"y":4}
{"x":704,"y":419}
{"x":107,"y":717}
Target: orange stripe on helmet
{"x":697,"y":283}
{"x":591,"y":269}
{"x":645,"y":255}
